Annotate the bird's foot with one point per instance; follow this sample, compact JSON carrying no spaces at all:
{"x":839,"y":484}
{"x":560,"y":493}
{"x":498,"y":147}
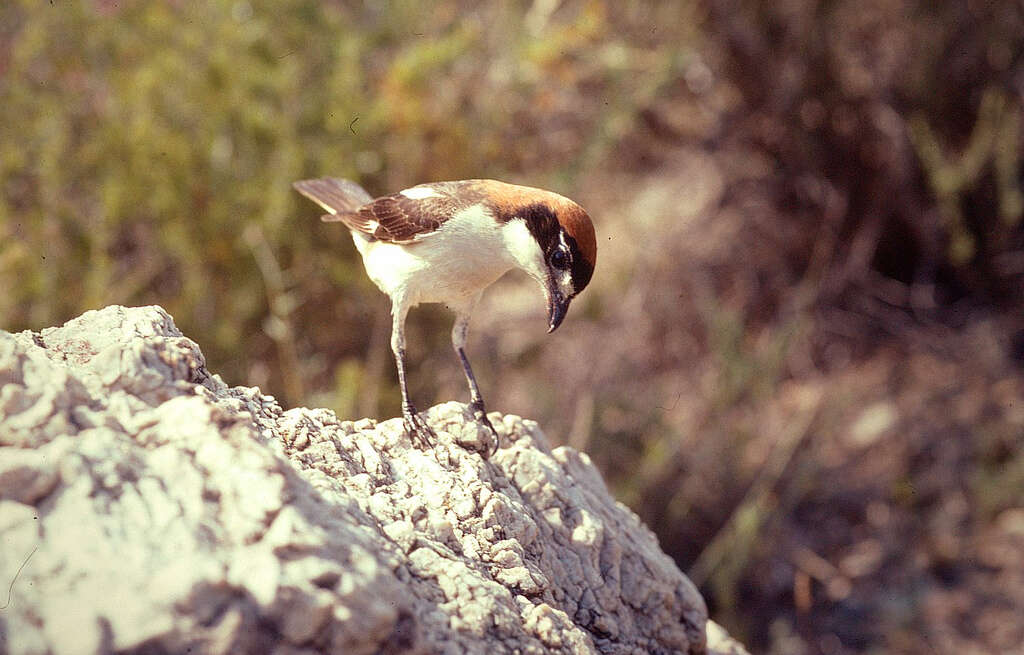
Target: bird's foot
{"x":416,"y":426}
{"x":480,"y":415}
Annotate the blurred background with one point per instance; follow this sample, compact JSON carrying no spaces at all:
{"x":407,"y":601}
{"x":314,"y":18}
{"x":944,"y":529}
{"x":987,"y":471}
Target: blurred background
{"x":800,"y":359}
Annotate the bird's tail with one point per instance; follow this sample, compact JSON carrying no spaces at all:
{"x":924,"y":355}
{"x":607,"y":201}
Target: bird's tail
{"x":335,"y":195}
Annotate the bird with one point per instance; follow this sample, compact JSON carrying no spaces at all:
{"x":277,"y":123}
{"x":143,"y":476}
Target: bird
{"x":446,"y":242}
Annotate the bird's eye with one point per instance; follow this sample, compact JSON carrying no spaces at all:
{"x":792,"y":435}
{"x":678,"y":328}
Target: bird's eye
{"x":559,"y":259}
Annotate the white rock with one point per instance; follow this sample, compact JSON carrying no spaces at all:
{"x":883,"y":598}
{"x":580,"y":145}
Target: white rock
{"x":156,"y":508}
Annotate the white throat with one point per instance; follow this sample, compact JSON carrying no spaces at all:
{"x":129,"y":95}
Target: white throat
{"x":524,"y":249}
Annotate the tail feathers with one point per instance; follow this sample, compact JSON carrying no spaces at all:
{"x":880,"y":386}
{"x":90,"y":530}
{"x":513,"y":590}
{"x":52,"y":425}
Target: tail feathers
{"x":335,"y":195}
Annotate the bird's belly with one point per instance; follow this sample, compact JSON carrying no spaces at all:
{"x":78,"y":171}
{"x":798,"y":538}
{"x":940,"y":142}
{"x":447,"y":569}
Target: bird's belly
{"x":426,"y":273}
{"x":453,"y":284}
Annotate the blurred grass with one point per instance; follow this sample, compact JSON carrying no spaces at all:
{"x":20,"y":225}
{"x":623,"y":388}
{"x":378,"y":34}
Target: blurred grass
{"x":799,"y":360}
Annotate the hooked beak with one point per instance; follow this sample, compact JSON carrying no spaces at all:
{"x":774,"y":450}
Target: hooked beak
{"x":558,"y":305}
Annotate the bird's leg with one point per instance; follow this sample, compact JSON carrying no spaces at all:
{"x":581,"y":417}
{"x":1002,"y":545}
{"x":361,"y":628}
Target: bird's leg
{"x":414,"y":423}
{"x":476,"y":401}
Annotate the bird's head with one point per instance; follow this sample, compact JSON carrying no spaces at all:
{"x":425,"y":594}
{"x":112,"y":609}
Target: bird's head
{"x":551,"y":238}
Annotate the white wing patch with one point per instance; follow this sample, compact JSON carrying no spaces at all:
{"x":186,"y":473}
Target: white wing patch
{"x":419,"y":193}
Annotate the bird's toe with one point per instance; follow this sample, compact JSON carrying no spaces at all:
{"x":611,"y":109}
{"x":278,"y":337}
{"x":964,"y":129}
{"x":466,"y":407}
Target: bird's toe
{"x":480,"y":415}
{"x":417,"y":428}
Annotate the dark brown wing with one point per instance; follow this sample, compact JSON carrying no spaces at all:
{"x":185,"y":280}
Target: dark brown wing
{"x":401,"y":218}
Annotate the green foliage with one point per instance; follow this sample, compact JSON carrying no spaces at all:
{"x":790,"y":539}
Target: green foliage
{"x":141,"y":142}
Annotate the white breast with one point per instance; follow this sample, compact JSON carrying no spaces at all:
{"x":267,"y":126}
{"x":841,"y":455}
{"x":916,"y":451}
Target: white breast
{"x":465,"y":256}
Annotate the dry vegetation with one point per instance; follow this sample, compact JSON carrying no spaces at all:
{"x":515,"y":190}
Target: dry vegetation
{"x":800,"y":358}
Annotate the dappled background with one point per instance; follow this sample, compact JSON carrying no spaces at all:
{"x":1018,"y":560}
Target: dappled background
{"x":801,"y":359}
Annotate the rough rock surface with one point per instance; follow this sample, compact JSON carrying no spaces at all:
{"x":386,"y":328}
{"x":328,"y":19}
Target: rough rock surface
{"x":146,"y":506}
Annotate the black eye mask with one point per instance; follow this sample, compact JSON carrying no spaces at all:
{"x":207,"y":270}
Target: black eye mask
{"x":544,"y":227}
{"x":581,"y":270}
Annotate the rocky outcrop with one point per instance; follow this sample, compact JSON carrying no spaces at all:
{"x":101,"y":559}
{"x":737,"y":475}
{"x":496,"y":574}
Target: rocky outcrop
{"x":146,"y":506}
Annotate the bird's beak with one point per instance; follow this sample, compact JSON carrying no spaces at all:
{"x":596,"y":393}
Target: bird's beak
{"x":558,"y":305}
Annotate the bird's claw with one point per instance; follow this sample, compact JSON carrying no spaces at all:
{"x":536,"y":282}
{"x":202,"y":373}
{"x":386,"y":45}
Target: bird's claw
{"x":417,"y":428}
{"x":480,"y":415}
